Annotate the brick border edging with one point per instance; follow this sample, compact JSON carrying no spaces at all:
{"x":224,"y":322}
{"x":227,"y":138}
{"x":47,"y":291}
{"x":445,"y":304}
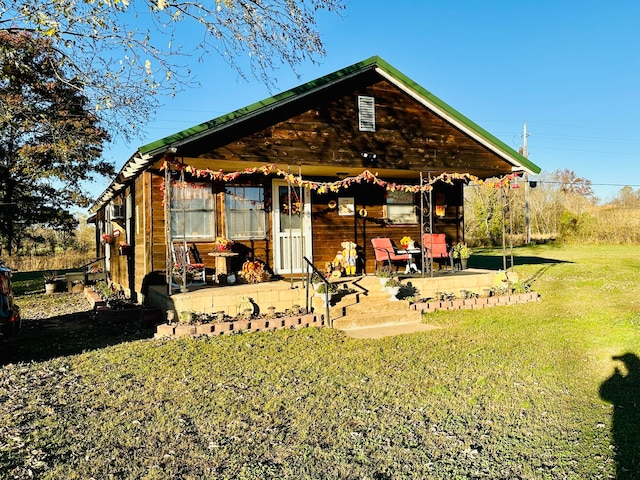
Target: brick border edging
{"x":94,"y":299}
{"x":475,"y":303}
{"x":166,"y":330}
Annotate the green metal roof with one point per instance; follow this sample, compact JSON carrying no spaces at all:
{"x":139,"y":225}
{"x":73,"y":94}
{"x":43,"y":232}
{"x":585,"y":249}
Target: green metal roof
{"x":374,"y":62}
{"x":215,"y":124}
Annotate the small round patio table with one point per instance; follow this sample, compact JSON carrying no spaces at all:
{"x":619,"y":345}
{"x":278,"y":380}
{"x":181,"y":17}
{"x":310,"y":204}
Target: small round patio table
{"x":222,"y":260}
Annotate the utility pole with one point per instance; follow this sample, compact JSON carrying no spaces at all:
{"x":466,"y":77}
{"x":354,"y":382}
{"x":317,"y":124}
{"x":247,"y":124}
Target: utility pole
{"x":527,"y":218}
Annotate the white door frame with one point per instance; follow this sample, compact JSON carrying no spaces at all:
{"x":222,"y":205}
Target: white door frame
{"x":290,"y":244}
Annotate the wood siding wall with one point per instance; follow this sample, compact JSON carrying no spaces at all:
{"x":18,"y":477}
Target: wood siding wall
{"x":330,"y":229}
{"x":323,"y":130}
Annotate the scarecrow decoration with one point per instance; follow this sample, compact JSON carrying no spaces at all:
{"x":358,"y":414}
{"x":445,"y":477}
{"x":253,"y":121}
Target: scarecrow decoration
{"x":349,"y":257}
{"x":335,"y":268}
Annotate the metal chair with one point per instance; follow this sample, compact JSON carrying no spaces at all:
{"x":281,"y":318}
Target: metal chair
{"x":436,"y":248}
{"x":385,"y":251}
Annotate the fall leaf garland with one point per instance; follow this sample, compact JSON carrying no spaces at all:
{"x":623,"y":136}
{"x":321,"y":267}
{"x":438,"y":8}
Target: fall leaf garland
{"x":326,"y":187}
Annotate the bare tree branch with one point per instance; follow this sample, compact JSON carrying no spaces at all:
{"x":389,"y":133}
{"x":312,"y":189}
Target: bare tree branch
{"x":124,"y":55}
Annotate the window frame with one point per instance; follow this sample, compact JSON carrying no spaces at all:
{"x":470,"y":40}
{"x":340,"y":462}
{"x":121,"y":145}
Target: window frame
{"x":261,"y":232}
{"x":392,"y":200}
{"x":176,"y":212}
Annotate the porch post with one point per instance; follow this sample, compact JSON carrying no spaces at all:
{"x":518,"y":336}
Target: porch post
{"x":431,"y":225}
{"x":290,"y":204}
{"x":167,"y":224}
{"x":183,"y":266}
{"x":422,"y":223}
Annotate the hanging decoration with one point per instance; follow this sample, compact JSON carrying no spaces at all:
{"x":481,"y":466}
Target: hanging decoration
{"x":441,"y":207}
{"x":107,"y":238}
{"x":326,"y":187}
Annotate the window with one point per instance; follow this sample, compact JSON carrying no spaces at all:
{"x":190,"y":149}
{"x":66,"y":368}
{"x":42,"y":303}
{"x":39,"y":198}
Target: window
{"x":246,"y":218}
{"x":128,"y":211}
{"x":192,"y":211}
{"x":400,"y":208}
{"x":367,"y":114}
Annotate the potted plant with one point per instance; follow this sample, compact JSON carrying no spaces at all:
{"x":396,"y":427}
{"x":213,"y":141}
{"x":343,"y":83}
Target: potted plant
{"x":322,"y":288}
{"x":393,"y":287}
{"x":316,"y":280}
{"x":253,"y":271}
{"x":383,"y":274}
{"x":222,"y":244}
{"x":461,"y":253}
{"x":407,"y":242}
{"x":125,"y":249}
{"x":49,"y":282}
{"x":176,"y":273}
{"x":325,"y":294}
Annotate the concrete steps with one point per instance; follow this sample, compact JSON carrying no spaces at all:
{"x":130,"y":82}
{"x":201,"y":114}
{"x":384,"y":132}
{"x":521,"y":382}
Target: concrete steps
{"x":370,"y":306}
{"x":367,"y":306}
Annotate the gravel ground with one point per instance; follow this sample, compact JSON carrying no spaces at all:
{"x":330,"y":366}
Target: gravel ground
{"x":62,"y":324}
{"x":39,"y":307}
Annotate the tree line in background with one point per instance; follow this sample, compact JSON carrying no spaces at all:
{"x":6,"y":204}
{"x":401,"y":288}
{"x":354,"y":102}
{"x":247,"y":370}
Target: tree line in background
{"x":558,"y":206}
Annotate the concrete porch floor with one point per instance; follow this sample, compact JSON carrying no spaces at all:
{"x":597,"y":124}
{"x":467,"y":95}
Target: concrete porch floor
{"x":361,"y":302}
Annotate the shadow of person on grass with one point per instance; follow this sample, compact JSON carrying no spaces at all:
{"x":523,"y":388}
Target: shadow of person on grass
{"x":623,"y":391}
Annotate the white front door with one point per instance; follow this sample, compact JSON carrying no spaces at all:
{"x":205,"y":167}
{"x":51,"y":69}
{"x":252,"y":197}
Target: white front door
{"x":291,"y":228}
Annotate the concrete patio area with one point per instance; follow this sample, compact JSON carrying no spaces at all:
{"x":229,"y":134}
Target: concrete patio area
{"x":361,"y":302}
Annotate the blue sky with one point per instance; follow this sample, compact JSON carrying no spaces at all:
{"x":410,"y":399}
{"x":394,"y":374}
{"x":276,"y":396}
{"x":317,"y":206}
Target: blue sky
{"x":569,"y":69}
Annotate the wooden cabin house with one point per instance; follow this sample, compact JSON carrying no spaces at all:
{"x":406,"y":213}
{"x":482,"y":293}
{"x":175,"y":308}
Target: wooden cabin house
{"x":360,"y":153}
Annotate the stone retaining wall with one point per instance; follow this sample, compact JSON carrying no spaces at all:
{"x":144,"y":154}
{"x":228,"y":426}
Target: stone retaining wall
{"x":475,"y":303}
{"x":239,"y":326}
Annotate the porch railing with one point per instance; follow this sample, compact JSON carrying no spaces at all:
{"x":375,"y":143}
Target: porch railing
{"x":309,"y":271}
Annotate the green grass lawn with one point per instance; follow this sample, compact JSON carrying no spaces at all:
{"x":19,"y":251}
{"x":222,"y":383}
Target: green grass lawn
{"x":507,"y":392}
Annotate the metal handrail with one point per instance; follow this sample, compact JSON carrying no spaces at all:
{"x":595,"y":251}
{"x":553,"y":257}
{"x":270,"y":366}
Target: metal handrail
{"x":326,"y":290}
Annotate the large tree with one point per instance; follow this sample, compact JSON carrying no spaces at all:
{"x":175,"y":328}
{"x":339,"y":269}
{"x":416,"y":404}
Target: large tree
{"x":50,"y":141}
{"x":123,"y":53}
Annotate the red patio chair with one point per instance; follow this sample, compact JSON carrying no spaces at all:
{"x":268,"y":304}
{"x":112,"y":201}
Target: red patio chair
{"x":385,"y":251}
{"x":436,"y":248}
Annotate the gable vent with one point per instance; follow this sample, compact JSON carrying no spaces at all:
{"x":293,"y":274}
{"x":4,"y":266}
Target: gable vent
{"x":367,"y":114}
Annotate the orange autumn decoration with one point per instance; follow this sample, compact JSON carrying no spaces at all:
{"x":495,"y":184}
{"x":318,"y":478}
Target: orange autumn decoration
{"x":254,"y":271}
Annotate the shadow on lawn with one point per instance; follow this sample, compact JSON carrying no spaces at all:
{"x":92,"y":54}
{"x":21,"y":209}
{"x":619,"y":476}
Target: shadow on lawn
{"x":623,"y":391}
{"x":64,"y":335}
{"x":492,"y":262}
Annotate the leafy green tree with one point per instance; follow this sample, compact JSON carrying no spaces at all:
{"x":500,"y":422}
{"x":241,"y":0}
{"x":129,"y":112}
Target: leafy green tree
{"x":122,"y":54}
{"x":50,"y":141}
